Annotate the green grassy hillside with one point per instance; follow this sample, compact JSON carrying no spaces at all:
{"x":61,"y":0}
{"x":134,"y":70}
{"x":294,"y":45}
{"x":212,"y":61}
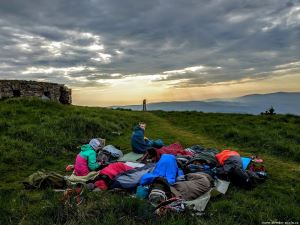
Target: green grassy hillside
{"x":276,"y":135}
{"x":45,"y":135}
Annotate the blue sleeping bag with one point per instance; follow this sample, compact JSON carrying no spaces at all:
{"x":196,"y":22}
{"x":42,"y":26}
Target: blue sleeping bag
{"x":166,"y":167}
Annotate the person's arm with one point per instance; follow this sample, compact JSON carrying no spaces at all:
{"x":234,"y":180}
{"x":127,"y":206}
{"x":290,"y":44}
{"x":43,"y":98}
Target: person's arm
{"x":138,"y":140}
{"x":92,"y":163}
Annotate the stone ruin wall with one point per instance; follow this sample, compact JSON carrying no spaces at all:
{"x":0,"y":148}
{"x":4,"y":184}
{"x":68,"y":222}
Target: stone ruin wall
{"x":44,"y":90}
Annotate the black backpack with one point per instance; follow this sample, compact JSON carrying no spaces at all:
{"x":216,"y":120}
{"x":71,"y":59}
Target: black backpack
{"x":244,"y":178}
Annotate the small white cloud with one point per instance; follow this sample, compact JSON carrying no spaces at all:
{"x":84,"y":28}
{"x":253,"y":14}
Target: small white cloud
{"x":289,"y":65}
{"x":103,"y":57}
{"x":54,"y":47}
{"x":193,"y":69}
{"x":238,"y":17}
{"x":79,"y":79}
{"x":24,"y":47}
{"x":119,"y":53}
{"x":249,"y":69}
{"x":290,"y":18}
{"x":116,"y":75}
{"x":51,"y":70}
{"x":95,"y":47}
{"x":127,"y":43}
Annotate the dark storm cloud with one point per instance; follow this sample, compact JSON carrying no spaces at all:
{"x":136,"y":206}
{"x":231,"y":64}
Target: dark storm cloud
{"x":86,"y":41}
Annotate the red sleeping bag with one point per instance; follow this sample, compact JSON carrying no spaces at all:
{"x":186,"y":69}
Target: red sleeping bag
{"x":111,"y":171}
{"x":173,"y":149}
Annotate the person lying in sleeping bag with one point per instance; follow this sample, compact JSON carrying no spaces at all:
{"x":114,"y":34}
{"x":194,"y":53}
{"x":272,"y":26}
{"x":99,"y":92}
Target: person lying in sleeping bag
{"x":85,"y":161}
{"x":140,"y":143}
{"x":105,"y":176}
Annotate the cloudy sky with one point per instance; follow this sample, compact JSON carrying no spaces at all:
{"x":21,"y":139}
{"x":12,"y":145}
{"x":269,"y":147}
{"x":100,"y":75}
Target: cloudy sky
{"x":121,"y":51}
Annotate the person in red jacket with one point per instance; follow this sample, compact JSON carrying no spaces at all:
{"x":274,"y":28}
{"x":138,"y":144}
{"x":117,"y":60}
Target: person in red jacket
{"x":224,"y":155}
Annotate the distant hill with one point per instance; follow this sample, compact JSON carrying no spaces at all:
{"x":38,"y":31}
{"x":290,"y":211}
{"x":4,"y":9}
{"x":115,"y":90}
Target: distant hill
{"x":283,"y":102}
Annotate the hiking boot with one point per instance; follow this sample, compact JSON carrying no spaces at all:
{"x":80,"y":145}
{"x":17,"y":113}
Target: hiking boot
{"x":78,"y":199}
{"x":79,"y":189}
{"x":67,"y":195}
{"x":75,"y":193}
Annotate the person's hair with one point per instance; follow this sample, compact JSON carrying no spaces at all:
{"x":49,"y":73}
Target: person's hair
{"x":102,"y":142}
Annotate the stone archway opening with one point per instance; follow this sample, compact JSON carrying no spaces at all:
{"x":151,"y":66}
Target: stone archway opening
{"x":16,"y":93}
{"x":47,"y":94}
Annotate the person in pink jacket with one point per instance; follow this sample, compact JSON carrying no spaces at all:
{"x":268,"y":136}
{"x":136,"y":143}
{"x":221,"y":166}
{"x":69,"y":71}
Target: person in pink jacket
{"x":86,"y":160}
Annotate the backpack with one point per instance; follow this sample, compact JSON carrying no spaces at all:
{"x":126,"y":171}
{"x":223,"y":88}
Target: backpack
{"x":43,"y":180}
{"x":109,"y":154}
{"x":245,"y":178}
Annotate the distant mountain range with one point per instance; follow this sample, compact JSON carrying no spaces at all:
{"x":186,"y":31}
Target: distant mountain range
{"x":283,"y":103}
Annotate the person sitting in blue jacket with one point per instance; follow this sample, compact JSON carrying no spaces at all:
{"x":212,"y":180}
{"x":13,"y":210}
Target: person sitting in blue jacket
{"x":140,"y":143}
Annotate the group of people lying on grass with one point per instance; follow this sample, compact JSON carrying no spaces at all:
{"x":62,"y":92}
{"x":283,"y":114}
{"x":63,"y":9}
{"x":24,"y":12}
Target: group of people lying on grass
{"x":166,"y":175}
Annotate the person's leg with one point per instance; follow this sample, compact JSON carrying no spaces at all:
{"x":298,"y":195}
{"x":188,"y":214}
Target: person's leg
{"x":149,"y":142}
{"x":157,"y":143}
